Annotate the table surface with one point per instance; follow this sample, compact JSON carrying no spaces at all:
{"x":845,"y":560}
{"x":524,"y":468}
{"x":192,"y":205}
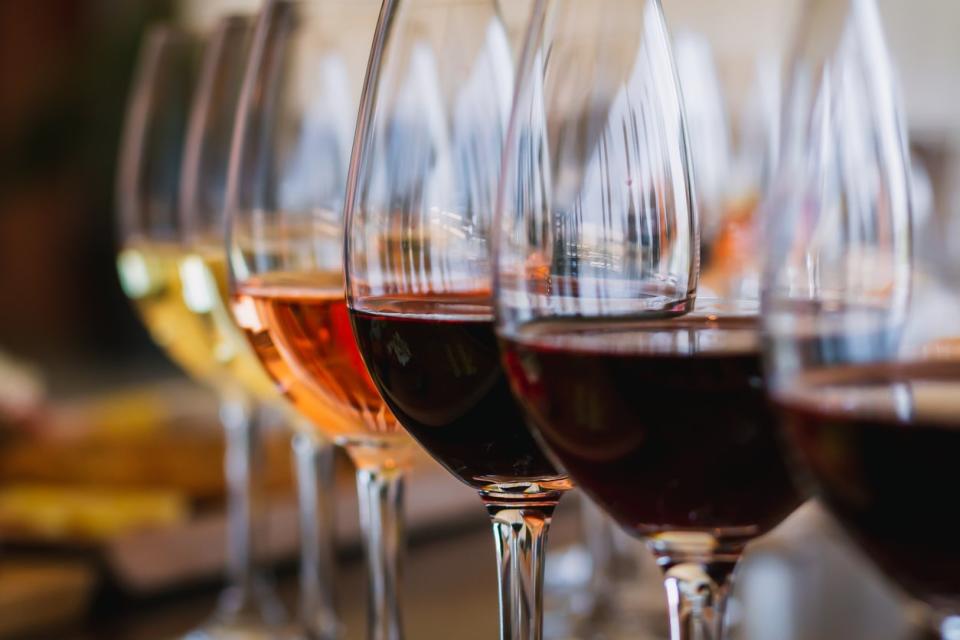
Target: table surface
{"x":799,"y":583}
{"x":448,"y":584}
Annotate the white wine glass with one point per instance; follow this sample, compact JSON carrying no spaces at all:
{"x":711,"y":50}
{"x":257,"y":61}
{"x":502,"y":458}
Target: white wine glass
{"x":152,"y":263}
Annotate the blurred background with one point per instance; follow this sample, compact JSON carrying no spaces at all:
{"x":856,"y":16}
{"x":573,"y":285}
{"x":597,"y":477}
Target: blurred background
{"x":112,"y":458}
{"x":64,"y":71}
{"x":65,"y":67}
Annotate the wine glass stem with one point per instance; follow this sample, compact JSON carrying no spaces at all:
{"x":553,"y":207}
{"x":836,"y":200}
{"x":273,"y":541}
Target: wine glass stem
{"x":380,"y":494}
{"x":314,"y":463}
{"x":520,"y":535}
{"x":696,"y":602}
{"x":242,"y":469}
{"x":600,"y":539}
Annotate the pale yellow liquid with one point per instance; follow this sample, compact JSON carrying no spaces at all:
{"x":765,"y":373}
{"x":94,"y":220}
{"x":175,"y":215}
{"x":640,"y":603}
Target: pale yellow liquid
{"x":182,"y":299}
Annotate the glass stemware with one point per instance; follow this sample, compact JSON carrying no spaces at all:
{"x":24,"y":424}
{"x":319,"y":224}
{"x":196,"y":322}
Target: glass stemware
{"x":860,"y":297}
{"x":650,"y":397}
{"x":419,"y":209}
{"x":155,"y":271}
{"x":203,"y":271}
{"x":291,"y":148}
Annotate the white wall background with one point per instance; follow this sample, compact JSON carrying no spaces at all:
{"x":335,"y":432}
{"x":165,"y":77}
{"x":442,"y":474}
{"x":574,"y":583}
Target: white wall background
{"x":924,"y":36}
{"x":202,"y":14}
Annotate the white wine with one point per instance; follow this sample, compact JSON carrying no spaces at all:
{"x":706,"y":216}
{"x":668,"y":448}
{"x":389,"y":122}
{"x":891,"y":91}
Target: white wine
{"x":182,"y":298}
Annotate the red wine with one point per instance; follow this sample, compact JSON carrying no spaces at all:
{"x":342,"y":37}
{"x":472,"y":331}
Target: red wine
{"x":880,"y":445}
{"x":437,"y":364}
{"x":664,"y":422}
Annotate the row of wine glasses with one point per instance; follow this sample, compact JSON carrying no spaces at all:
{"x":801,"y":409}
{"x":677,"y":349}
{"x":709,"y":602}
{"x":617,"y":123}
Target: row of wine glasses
{"x":432,"y":133}
{"x":494,"y":248}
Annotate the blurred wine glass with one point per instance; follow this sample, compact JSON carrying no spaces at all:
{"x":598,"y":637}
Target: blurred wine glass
{"x":604,"y":586}
{"x":178,"y":305}
{"x":288,"y":169}
{"x":732,"y":88}
{"x":419,"y":205}
{"x":647,"y":393}
{"x":203,"y":272}
{"x":861,"y":306}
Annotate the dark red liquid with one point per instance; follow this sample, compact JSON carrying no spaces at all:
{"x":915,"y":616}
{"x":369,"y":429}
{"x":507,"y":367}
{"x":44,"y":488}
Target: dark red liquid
{"x":437,"y":364}
{"x":664,"y":422}
{"x":881,"y":446}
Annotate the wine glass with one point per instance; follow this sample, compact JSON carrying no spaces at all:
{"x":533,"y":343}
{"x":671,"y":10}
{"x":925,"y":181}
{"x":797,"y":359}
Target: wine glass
{"x":157,"y":275}
{"x":419,"y":210}
{"x":203,"y":272}
{"x":861,"y":309}
{"x":651,"y":398}
{"x":288,"y":166}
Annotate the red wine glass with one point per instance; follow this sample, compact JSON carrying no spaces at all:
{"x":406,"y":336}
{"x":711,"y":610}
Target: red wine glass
{"x":860,"y":296}
{"x":650,"y":398}
{"x":419,"y":208}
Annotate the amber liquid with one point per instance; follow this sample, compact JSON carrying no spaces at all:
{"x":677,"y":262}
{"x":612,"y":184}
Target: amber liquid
{"x":879,"y":445}
{"x":302,"y":334}
{"x":664,"y":422}
{"x":437,"y":363}
{"x":308,"y":404}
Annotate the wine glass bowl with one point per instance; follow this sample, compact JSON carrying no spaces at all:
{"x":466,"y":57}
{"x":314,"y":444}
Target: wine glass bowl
{"x":604,"y":111}
{"x":437,"y":362}
{"x":419,"y":279}
{"x":148,"y":185}
{"x":286,"y":236}
{"x":311,"y":351}
{"x":666,"y":420}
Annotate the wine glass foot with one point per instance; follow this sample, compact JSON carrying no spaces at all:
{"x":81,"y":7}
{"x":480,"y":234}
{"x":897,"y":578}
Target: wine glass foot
{"x":949,"y":627}
{"x":242,"y":629}
{"x":247,"y":614}
{"x":237,"y":631}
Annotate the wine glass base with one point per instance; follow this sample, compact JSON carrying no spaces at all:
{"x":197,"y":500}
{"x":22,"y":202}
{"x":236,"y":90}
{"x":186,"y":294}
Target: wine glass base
{"x":236,"y":632}
{"x":247,"y":614}
{"x":250,"y":631}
